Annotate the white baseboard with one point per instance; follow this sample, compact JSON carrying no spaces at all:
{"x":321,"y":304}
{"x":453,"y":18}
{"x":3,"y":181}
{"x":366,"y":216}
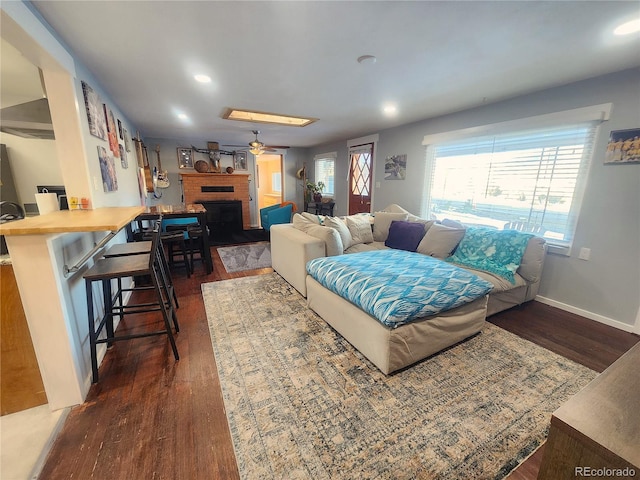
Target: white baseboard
{"x":587,"y":314}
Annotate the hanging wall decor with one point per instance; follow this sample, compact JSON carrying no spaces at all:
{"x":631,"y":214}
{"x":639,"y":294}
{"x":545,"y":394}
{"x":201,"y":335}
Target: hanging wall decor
{"x":623,"y":146}
{"x":395,"y":167}
{"x":95,"y":112}
{"x":111,"y":131}
{"x":107,"y":170}
{"x":124,"y":161}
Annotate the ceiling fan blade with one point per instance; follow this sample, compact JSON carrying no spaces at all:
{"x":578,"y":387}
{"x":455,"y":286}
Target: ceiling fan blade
{"x":276,"y":146}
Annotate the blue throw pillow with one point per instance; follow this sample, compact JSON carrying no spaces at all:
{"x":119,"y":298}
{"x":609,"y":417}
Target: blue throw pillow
{"x":404,"y":235}
{"x":494,"y":251}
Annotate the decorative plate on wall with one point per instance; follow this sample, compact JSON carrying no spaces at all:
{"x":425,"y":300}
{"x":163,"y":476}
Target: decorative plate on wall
{"x":201,"y":166}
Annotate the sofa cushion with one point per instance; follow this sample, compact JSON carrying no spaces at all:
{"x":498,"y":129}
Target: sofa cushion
{"x":317,"y":219}
{"x":533,"y":259}
{"x":329,"y":236}
{"x":366,"y":247}
{"x":341,"y":227}
{"x":382,"y":222}
{"x":495,"y":251}
{"x":301,"y":222}
{"x":440,"y":241}
{"x":360,"y":228}
{"x":404,"y":235}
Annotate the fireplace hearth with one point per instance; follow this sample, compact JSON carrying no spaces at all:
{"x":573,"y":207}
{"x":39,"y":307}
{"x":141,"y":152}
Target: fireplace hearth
{"x":224,"y":218}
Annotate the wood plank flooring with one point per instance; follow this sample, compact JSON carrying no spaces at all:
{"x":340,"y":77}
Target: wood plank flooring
{"x":152,"y":417}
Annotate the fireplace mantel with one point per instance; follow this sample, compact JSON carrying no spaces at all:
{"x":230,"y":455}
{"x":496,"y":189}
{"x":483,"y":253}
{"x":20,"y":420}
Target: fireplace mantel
{"x":193,"y":183}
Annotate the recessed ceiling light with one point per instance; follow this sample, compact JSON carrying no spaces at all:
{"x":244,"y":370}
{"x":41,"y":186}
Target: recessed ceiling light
{"x":265,"y":117}
{"x":390,"y":110}
{"x":628,"y":28}
{"x":202,"y":78}
{"x":182,"y":116}
{"x":367,"y":59}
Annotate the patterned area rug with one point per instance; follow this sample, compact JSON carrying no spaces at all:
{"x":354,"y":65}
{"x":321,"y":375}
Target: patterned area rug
{"x":245,"y":257}
{"x":303,"y":404}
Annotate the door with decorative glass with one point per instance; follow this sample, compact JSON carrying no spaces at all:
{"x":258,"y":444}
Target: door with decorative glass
{"x":360,"y":178}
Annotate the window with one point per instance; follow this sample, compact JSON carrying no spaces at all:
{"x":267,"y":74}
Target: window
{"x":325,"y":168}
{"x":529,"y":180}
{"x":276,"y":182}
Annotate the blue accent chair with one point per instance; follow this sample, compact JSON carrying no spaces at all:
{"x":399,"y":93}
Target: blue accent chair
{"x":275,"y":214}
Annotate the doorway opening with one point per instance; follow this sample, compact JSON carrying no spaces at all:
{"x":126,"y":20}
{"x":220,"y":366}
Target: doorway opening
{"x":269,"y":184}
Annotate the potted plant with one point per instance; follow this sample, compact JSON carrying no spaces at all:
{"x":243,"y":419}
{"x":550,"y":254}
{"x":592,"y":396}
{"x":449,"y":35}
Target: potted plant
{"x":315,"y":190}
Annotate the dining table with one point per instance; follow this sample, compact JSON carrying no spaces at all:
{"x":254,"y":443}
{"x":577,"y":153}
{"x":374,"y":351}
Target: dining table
{"x":182,"y":210}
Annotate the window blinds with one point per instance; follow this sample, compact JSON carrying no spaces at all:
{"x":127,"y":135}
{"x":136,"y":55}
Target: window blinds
{"x":529,"y":180}
{"x":325,"y":171}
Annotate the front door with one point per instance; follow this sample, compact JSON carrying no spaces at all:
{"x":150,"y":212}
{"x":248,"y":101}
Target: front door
{"x":360,"y":178}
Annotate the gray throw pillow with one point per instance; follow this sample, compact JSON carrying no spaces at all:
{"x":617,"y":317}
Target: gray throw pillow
{"x":440,"y":241}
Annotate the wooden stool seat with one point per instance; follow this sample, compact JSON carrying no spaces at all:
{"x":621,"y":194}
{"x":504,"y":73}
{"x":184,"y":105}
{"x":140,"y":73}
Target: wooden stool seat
{"x":131,"y":248}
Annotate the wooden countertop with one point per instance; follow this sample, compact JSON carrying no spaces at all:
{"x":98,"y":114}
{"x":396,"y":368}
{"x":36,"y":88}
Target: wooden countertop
{"x":98,"y":220}
{"x":605,"y":412}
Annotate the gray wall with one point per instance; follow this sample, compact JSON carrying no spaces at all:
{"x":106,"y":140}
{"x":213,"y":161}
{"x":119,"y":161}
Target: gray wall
{"x":607,"y":287}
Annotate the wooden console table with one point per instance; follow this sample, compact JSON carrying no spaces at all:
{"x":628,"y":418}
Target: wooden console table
{"x":598,"y":429}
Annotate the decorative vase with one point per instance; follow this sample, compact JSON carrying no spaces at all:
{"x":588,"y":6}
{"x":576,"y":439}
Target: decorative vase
{"x":317,"y":197}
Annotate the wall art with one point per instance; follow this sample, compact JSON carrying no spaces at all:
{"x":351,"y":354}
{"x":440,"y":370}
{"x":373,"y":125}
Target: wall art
{"x":623,"y":146}
{"x":95,"y":112}
{"x":124,"y":161}
{"x":107,"y":170}
{"x":240,"y":161}
{"x":395,"y":167}
{"x":185,"y":157}
{"x":111,"y":131}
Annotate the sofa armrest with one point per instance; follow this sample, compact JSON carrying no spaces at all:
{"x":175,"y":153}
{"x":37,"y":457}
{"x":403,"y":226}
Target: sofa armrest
{"x":291,"y":249}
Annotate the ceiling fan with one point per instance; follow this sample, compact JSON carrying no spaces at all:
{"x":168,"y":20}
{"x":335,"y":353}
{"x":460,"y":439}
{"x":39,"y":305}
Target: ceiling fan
{"x":257,"y":147}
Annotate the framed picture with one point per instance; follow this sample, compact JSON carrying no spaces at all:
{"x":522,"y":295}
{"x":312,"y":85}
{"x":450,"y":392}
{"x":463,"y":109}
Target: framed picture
{"x":185,"y":157}
{"x":111,"y":131}
{"x":240,"y":161}
{"x":623,"y":146}
{"x":124,"y":161}
{"x":127,"y":140}
{"x":107,"y":170}
{"x":95,"y":112}
{"x":395,"y":167}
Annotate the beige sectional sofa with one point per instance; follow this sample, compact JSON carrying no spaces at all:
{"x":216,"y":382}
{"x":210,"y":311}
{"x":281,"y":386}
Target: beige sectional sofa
{"x":392,"y":349}
{"x":294,"y":244}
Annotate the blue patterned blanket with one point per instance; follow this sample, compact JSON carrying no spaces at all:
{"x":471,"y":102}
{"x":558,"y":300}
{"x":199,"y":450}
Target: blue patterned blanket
{"x":396,"y":286}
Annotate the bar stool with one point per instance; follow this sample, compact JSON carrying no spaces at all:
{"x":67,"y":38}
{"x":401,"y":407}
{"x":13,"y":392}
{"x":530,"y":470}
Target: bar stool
{"x":107,"y":269}
{"x":140,"y":248}
{"x":195,"y":244}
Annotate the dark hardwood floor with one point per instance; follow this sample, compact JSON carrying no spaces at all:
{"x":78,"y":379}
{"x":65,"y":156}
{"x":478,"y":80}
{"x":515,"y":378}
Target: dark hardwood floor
{"x":152,"y":417}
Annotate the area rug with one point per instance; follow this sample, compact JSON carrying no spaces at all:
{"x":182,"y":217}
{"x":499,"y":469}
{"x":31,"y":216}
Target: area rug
{"x":245,"y":257}
{"x":303,"y":404}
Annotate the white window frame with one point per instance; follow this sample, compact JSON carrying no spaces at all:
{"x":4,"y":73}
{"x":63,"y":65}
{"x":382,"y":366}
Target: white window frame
{"x":318,"y":162}
{"x":596,"y":113}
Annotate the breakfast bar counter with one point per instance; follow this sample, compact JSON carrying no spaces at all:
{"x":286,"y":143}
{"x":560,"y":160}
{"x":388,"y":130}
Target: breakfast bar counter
{"x":98,"y":220}
{"x":53,"y":294}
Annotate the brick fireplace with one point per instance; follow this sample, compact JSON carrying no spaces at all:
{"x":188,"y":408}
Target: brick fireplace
{"x":214,"y":187}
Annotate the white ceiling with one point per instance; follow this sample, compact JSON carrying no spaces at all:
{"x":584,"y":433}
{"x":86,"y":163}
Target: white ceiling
{"x":299,"y":58}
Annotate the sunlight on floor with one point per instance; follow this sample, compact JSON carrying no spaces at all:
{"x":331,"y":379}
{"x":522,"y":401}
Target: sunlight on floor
{"x":25,"y":439}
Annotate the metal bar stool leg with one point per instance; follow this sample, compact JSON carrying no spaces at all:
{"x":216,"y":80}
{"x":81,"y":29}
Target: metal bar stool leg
{"x":92,"y":330}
